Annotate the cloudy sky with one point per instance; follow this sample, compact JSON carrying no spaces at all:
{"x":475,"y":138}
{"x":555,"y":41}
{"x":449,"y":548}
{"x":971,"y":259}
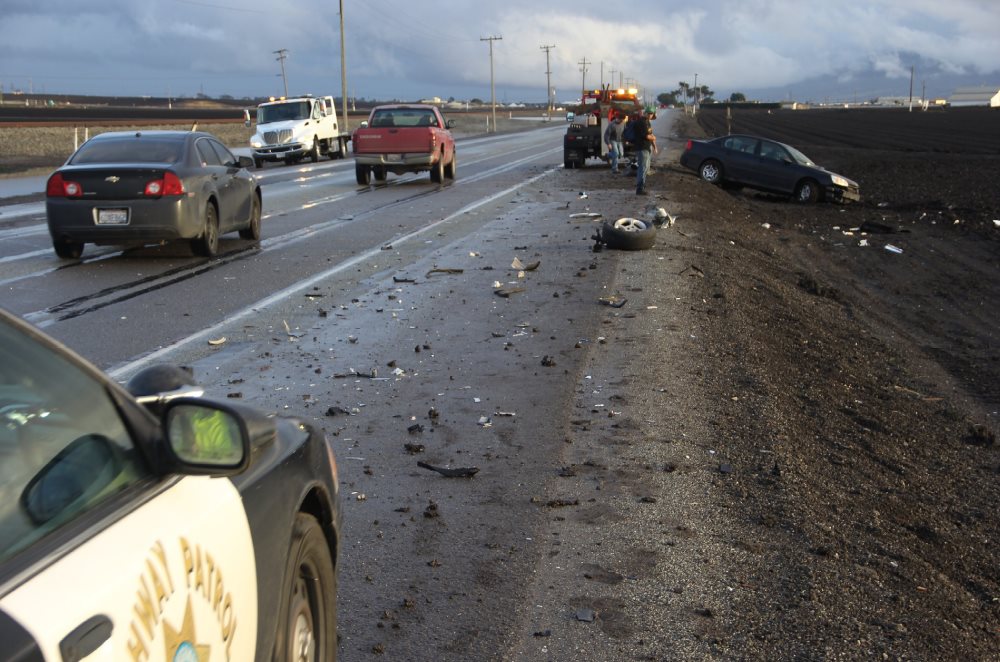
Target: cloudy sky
{"x":816,"y":50}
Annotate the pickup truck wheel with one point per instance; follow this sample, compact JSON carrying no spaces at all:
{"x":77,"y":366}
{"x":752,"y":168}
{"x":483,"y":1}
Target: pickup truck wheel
{"x":380,"y":174}
{"x":711,"y":171}
{"x":314,"y":152}
{"x":449,"y":170}
{"x":437,"y":170}
{"x":364,"y":174}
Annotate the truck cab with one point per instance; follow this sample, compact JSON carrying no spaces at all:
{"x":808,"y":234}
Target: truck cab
{"x":584,"y":138}
{"x":291,"y":129}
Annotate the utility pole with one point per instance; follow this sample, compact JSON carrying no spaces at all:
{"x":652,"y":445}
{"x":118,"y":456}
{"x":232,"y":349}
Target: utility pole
{"x":282,"y":53}
{"x":343,"y":69}
{"x":548,"y":78}
{"x":613,"y":72}
{"x":583,"y":68}
{"x":602,"y":74}
{"x":911,"y":88}
{"x":493,"y":94}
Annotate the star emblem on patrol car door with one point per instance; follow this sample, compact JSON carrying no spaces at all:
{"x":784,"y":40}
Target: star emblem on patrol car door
{"x":181,"y":646}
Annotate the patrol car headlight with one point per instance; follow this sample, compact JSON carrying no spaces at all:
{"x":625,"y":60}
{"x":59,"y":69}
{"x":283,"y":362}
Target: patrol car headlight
{"x":841,"y":181}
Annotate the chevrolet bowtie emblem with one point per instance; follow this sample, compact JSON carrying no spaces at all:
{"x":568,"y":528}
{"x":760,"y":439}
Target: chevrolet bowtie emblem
{"x":113,"y":179}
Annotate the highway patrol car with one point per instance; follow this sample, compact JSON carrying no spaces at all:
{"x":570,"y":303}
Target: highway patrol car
{"x":160,"y":527}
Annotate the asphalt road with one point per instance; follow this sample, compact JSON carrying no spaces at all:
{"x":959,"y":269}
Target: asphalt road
{"x":378,"y":313}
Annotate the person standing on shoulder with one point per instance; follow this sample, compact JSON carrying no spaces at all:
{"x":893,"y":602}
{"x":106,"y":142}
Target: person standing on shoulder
{"x":613,"y":139}
{"x":645,"y":145}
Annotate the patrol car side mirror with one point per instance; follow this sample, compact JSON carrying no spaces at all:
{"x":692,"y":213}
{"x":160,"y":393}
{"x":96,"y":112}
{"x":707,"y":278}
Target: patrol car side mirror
{"x":77,"y":474}
{"x":206,"y":437}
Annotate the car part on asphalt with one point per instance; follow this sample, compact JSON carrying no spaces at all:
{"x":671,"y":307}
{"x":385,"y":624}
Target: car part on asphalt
{"x":627,"y":234}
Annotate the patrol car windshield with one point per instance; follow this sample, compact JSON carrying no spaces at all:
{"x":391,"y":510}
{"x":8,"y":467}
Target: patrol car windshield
{"x":63,"y":446}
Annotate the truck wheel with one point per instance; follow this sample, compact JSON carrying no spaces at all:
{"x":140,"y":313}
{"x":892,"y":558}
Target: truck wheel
{"x":437,"y":170}
{"x":258,"y":163}
{"x":449,"y":170}
{"x":364,"y":174}
{"x":380,"y":174}
{"x":314,"y":152}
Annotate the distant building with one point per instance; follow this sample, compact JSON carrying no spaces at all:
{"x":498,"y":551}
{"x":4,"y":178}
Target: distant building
{"x":976,"y":96}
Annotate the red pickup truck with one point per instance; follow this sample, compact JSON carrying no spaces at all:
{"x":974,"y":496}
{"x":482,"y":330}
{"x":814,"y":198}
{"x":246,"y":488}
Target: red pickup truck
{"x":402,"y":138}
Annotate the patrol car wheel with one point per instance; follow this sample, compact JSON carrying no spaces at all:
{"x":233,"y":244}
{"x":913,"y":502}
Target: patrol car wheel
{"x":309,"y":616}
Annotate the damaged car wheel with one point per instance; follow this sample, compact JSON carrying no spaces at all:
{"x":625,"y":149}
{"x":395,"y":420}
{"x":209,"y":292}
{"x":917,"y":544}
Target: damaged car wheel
{"x":628,"y":234}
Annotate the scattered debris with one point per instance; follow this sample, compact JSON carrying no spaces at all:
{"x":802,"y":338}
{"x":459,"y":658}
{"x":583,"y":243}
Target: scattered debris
{"x":338,"y":411}
{"x":517,"y":264}
{"x":586,"y":615}
{"x":585,"y":214}
{"x":506,"y":292}
{"x":463,"y":472}
{"x":614,"y":302}
{"x":444,"y":271}
{"x":893,"y":249}
{"x":562,"y":503}
{"x":412,"y":449}
{"x":398,"y":279}
{"x":692,"y":271}
{"x":583,"y":196}
{"x":217,"y":341}
{"x":485,"y":421}
{"x":416,"y":428}
{"x":504,"y":413}
{"x":548,"y":361}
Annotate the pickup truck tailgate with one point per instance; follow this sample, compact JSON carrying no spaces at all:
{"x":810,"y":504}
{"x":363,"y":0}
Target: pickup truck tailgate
{"x":398,"y":140}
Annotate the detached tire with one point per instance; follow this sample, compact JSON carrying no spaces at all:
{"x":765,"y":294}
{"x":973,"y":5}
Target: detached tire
{"x":307,"y":626}
{"x":628,"y":234}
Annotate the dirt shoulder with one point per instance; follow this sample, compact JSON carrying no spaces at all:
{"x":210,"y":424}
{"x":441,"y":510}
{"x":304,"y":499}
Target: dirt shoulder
{"x":856,"y":399}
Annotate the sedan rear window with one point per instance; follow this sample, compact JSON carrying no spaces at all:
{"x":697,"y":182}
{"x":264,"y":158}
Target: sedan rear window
{"x":130,"y":150}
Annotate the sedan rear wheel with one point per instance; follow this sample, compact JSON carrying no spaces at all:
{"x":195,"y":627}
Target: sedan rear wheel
{"x":252,"y":231}
{"x":711,"y":171}
{"x":68,"y":250}
{"x":207,"y":244}
{"x":807,"y":191}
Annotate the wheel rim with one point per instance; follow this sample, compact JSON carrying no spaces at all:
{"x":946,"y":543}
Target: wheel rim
{"x":211,"y":231}
{"x":805,"y":192}
{"x":630,"y":225}
{"x":301,"y":626}
{"x":709,"y":172}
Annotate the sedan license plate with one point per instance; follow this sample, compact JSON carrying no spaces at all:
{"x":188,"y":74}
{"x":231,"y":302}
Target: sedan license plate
{"x":112,"y":216}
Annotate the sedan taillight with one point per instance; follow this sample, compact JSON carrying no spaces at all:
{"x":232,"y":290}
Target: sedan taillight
{"x":169,"y":184}
{"x":689,"y":145}
{"x":58,"y":187}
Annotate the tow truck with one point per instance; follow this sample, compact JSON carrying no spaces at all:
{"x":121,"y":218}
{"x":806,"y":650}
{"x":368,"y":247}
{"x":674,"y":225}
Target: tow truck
{"x":584,"y":138}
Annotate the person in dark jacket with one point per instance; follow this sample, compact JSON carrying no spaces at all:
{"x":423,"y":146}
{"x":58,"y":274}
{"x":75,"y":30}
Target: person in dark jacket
{"x":644,"y":143}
